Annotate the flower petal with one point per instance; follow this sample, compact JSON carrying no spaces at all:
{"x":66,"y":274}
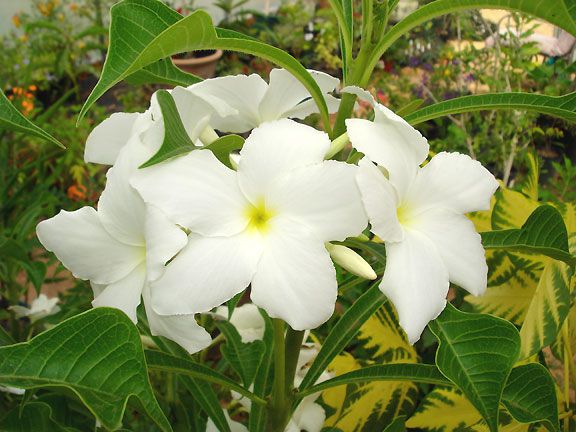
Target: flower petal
{"x":380,"y":202}
{"x":285,"y":93}
{"x":416,"y":281}
{"x":295,"y":280}
{"x":241,"y":93}
{"x":164,"y":240}
{"x":304,"y":109}
{"x":195,"y":191}
{"x":276,"y":148}
{"x":182,"y":329}
{"x":459,"y":246}
{"x":454,"y":181}
{"x":247,"y":320}
{"x":308,"y":416}
{"x":124,"y":294}
{"x":323,"y":196}
{"x":206,"y":273}
{"x":109,"y":137}
{"x":80,"y":241}
{"x":120,"y":208}
{"x":382,"y":144}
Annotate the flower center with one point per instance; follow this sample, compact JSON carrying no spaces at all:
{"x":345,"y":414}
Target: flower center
{"x":258,"y":216}
{"x":404,"y":214}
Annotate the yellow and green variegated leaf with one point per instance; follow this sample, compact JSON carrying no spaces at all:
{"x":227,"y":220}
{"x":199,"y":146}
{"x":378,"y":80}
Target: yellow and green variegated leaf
{"x":530,"y":184}
{"x":371,"y":406}
{"x":529,"y":290}
{"x":446,"y":410}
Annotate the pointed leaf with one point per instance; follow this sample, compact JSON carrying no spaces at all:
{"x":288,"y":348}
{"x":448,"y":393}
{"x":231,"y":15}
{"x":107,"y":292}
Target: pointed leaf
{"x":168,"y":33}
{"x":558,"y":106}
{"x":530,"y":396}
{"x":476,"y":352}
{"x":97,"y":355}
{"x":543,"y":233}
{"x":343,"y":332}
{"x":11,"y":119}
{"x":225,"y":145}
{"x":162,"y":72}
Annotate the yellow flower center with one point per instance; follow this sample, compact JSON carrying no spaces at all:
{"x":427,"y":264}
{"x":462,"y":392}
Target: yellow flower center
{"x":258,"y":216}
{"x":404,"y":214}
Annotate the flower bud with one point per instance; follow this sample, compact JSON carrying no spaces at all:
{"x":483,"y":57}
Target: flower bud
{"x":350,"y":261}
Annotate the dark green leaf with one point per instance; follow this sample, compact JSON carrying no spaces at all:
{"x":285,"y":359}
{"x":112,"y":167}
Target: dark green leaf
{"x":233,"y":302}
{"x":176,"y":139}
{"x":162,"y":72}
{"x":258,"y":414}
{"x":97,"y":354}
{"x":476,"y":353}
{"x":530,"y":396}
{"x":398,"y":425}
{"x":32,"y":417}
{"x":225,"y":145}
{"x":558,"y":106}
{"x":543,"y":233}
{"x":343,"y":332}
{"x":11,"y":119}
{"x":169,"y":363}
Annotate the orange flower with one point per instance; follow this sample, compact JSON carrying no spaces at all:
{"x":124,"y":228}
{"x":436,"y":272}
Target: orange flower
{"x":77,"y":192}
{"x":32,"y":88}
{"x":16,"y":20}
{"x":74,"y":7}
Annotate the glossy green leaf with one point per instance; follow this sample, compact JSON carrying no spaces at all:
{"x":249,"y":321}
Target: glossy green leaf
{"x":530,"y":396}
{"x":176,"y":140}
{"x":97,"y":355}
{"x":11,"y":119}
{"x":169,"y":363}
{"x":168,"y":33}
{"x":162,"y":72}
{"x":476,"y":352}
{"x":558,"y":106}
{"x":343,"y":332}
{"x":561,"y":13}
{"x":245,"y":358}
{"x":543,"y":233}
{"x":225,"y":145}
{"x":390,"y":372}
{"x":398,"y":425}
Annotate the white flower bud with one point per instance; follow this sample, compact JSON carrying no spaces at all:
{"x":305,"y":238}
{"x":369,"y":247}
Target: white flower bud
{"x":351,"y":261}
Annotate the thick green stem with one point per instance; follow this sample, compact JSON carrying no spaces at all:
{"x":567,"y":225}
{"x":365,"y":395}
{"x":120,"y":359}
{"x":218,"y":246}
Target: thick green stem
{"x":293,"y":344}
{"x":280,"y":405}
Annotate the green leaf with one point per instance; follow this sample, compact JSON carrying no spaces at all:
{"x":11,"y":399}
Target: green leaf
{"x":343,"y":332}
{"x":530,"y":183}
{"x":97,"y":355}
{"x":558,"y":106}
{"x":410,"y":107}
{"x":245,"y":358}
{"x":476,"y":352}
{"x":530,"y":396}
{"x":168,"y":33}
{"x":391,"y":372}
{"x":169,"y":363}
{"x":162,"y":72}
{"x":398,"y":425}
{"x":377,"y":250}
{"x":258,"y":414}
{"x":561,"y":13}
{"x":32,"y":417}
{"x":223,"y":146}
{"x":543,"y":233}
{"x":176,"y":139}
{"x":11,"y":119}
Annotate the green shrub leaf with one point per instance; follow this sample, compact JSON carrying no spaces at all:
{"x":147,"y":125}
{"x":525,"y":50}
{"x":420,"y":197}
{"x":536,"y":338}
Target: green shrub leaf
{"x":33,"y":416}
{"x":97,"y":354}
{"x":558,"y":106}
{"x":543,"y":233}
{"x":11,"y":119}
{"x":476,"y":353}
{"x":343,"y":332}
{"x":225,"y":145}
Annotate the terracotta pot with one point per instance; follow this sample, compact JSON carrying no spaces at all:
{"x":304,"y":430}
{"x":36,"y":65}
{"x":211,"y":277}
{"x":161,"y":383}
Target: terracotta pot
{"x":204,"y":67}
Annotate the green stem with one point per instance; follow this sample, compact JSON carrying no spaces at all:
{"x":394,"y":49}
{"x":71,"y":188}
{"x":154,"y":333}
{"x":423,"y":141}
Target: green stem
{"x":293,"y":344}
{"x":279,"y":407}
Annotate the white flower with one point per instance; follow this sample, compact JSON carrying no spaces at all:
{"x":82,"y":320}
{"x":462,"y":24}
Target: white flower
{"x":419,"y":213}
{"x":234,"y":425}
{"x":124,"y":245}
{"x":41,"y":307}
{"x":247,"y":320}
{"x":256,"y":101}
{"x":264,"y":225}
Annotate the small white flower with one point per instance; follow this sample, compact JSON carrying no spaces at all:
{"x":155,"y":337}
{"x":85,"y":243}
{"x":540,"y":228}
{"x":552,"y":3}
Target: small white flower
{"x":234,"y":425}
{"x":419,"y":213}
{"x":256,"y":101}
{"x":247,"y":320}
{"x":41,"y":307}
{"x":264,"y":225}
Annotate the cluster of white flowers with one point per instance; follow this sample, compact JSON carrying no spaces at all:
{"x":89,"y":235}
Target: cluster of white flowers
{"x":188,"y":234}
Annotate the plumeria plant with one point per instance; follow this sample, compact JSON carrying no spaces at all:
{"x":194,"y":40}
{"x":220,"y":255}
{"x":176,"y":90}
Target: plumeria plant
{"x":231,"y":222}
